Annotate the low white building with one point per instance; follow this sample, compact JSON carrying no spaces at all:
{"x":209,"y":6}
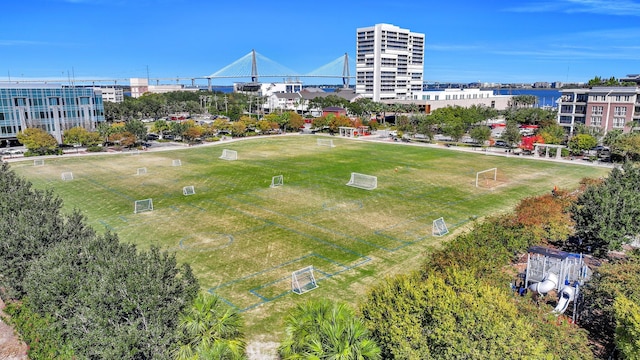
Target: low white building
{"x":436,"y":99}
{"x":110,"y":93}
{"x":140,"y":86}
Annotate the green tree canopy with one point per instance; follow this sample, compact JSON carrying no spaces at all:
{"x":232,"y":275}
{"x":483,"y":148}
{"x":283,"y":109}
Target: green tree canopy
{"x":38,"y":141}
{"x":80,"y":135}
{"x":606,"y":214}
{"x":32,"y":222}
{"x":324,"y":330}
{"x":455,"y":315}
{"x":582,"y":142}
{"x":110,"y":300}
{"x":210,"y":329}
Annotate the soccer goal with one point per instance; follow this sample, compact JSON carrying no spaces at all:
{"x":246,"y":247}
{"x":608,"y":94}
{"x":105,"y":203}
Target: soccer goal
{"x":176,"y":162}
{"x":141,"y":171}
{"x":326,"y":142}
{"x":486,"y":175}
{"x":67,"y":176}
{"x":38,"y":162}
{"x":303,"y":280}
{"x":439,"y":227}
{"x":229,"y":155}
{"x":188,"y":190}
{"x":362,"y":181}
{"x":142,"y":206}
{"x":277,"y":180}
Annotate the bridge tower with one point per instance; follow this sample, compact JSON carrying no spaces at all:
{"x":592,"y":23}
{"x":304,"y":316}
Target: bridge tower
{"x":254,"y":67}
{"x":345,"y":72}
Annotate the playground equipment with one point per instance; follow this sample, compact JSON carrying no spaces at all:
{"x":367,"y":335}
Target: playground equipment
{"x":551,"y":269}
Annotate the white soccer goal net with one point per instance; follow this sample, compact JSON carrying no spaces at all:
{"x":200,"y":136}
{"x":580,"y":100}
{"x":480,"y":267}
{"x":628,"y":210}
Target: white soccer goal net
{"x":326,"y":142}
{"x":303,"y":280}
{"x":486,"y":175}
{"x":66,"y":176}
{"x":176,"y":163}
{"x":38,"y":162}
{"x":229,"y":154}
{"x":142,"y":206}
{"x":362,"y":181}
{"x":141,"y":171}
{"x":188,"y":190}
{"x":277,"y":180}
{"x":439,"y":227}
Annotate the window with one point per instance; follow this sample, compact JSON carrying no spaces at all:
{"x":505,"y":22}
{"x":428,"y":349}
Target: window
{"x":53,"y":101}
{"x":618,"y":122}
{"x":1,"y":116}
{"x":620,"y":111}
{"x":597,"y":110}
{"x":596,"y":121}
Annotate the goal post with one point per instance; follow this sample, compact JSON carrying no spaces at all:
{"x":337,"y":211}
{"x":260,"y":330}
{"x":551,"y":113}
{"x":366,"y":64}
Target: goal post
{"x":439,"y":227}
{"x":325,"y":142}
{"x":303,"y":280}
{"x":176,"y":162}
{"x":38,"y":162}
{"x":277,"y":180}
{"x":229,"y":154}
{"x":362,"y":181}
{"x":142,"y":206}
{"x":67,"y":176}
{"x":486,"y":175}
{"x":188,"y":190}
{"x":141,"y":171}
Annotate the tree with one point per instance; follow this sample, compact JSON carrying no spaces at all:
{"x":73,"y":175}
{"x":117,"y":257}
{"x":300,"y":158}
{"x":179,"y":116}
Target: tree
{"x":627,"y":146}
{"x":38,"y":141}
{"x":545,"y":217}
{"x":125,"y":139}
{"x":425,"y":125}
{"x":615,"y":282}
{"x":324,"y":330}
{"x":453,"y":314}
{"x":159,"y":127}
{"x":137,"y":128}
{"x":480,"y":134}
{"x":552,"y":134}
{"x":511,"y":134}
{"x":582,"y":142}
{"x":82,"y":136}
{"x":110,"y":300}
{"x":523,"y":101}
{"x":627,"y":337}
{"x":32,"y":223}
{"x":210,"y":329}
{"x":606,"y":214}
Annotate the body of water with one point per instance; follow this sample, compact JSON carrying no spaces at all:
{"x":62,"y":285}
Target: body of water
{"x":546,"y":97}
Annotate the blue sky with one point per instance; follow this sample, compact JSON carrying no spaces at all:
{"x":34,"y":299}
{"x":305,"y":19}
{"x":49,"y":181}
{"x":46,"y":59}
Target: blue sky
{"x":466,"y":40}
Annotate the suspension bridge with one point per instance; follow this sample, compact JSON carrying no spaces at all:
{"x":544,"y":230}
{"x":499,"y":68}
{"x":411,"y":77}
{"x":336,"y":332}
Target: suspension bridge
{"x":244,"y":68}
{"x":248,"y":65}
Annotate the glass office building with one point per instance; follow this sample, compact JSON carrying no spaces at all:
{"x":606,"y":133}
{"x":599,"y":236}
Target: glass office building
{"x":50,"y":107}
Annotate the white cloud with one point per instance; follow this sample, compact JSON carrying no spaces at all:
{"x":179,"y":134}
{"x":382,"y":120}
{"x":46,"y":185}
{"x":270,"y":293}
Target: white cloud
{"x":601,"y":7}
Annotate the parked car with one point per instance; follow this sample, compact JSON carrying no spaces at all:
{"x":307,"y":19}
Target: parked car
{"x":152,"y":137}
{"x":501,"y":143}
{"x":14,"y":151}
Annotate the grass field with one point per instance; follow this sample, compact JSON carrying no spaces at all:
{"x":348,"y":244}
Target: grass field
{"x":244,"y":238}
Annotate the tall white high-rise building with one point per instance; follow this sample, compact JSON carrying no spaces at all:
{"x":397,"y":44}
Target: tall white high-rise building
{"x":389,"y":62}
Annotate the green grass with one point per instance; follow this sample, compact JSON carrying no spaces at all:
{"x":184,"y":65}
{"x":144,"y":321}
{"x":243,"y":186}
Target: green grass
{"x":243,"y":238}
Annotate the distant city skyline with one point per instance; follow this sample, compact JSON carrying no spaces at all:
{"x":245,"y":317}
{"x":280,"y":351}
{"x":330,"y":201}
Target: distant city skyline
{"x":466,"y":41}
